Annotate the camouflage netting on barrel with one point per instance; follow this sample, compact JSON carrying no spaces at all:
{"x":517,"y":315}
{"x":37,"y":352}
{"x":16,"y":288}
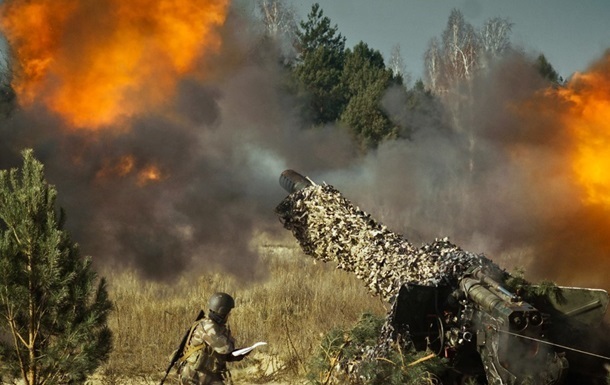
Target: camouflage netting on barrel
{"x":329,"y":228}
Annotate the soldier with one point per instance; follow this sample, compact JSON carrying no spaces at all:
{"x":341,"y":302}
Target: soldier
{"x":209,"y":345}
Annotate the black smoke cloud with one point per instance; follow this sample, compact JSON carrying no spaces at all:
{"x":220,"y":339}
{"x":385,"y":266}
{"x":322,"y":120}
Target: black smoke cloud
{"x":220,"y":145}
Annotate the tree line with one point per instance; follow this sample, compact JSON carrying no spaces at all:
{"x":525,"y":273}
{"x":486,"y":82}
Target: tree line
{"x":347,"y":87}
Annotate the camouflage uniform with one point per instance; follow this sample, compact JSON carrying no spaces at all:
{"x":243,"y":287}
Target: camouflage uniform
{"x":206,"y":352}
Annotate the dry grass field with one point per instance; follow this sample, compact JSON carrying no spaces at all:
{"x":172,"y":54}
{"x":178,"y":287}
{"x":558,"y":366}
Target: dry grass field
{"x":291,"y":310}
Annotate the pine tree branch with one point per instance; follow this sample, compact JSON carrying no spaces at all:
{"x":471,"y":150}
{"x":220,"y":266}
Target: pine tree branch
{"x":16,"y":338}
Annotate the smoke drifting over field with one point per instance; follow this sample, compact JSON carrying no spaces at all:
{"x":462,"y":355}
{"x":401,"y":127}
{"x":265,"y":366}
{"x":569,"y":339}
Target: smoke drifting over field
{"x":519,"y":178}
{"x":170,"y":163}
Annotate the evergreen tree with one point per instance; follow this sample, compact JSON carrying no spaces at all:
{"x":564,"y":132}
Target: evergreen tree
{"x":317,"y":32}
{"x":366,"y":80}
{"x":546,"y":70}
{"x":416,"y":109}
{"x":53,"y":309}
{"x":321,"y":52}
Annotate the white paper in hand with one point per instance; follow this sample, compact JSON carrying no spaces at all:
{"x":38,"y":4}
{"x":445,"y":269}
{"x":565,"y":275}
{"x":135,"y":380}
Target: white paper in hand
{"x":242,"y":351}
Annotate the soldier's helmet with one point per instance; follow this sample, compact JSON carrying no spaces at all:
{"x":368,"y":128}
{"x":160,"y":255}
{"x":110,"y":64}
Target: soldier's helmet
{"x":220,"y":305}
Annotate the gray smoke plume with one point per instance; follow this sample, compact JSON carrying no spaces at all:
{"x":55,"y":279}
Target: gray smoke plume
{"x":498,"y":183}
{"x":219,"y":164}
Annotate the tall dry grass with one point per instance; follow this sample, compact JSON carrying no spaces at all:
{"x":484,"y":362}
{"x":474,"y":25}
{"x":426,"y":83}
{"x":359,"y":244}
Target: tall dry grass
{"x":297,"y":303}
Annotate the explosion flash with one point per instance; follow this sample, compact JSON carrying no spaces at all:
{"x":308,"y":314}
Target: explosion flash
{"x":93,"y":63}
{"x":126,"y":166}
{"x":588,"y":120}
{"x":565,"y":149}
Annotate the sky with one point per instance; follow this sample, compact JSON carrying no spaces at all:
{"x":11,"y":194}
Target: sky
{"x":570,"y":34}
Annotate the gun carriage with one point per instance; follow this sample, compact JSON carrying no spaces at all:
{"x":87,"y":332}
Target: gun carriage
{"x":451,"y":301}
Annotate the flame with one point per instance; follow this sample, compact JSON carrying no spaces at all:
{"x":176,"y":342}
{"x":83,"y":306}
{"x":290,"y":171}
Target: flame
{"x":579,"y":113}
{"x":94,"y":63}
{"x":126,"y":166}
{"x":565,"y":152}
{"x":149,"y":174}
{"x":122,"y":167}
{"x":588,"y":121}
{"x":34,"y":51}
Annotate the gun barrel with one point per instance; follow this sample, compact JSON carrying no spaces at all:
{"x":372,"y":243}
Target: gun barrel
{"x":498,"y":289}
{"x":330,"y":228}
{"x":520,"y":315}
{"x":292,"y":181}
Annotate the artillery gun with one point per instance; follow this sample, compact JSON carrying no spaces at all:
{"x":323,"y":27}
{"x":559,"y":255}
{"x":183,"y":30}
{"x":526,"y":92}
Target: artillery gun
{"x":454,"y":302}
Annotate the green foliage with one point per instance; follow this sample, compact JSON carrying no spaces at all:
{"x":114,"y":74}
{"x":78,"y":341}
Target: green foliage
{"x":546,"y":70}
{"x":366,"y":79}
{"x":544,"y":289}
{"x":516,"y":280}
{"x":317,"y":32}
{"x":52,"y":306}
{"x":317,"y":72}
{"x":547,"y":289}
{"x":343,"y":86}
{"x":341,"y":359}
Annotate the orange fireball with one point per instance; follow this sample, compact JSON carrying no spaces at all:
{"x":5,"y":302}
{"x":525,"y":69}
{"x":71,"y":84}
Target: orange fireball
{"x":93,"y":63}
{"x":588,"y":120}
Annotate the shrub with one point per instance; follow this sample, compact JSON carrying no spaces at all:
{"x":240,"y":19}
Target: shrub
{"x":348,"y":356}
